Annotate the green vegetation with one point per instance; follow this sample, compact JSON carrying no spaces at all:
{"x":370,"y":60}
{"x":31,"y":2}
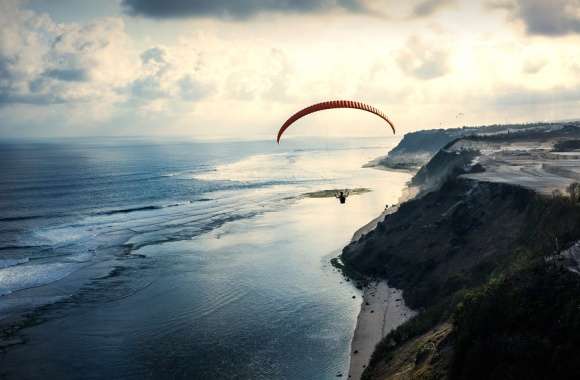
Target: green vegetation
{"x":515,"y":308}
{"x":567,"y":146}
{"x":523,"y":325}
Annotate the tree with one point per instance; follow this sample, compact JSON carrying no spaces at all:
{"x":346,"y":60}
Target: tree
{"x":574,"y":190}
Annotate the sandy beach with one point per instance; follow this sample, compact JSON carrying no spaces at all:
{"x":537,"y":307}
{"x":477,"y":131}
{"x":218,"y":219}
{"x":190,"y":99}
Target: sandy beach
{"x":382,"y":310}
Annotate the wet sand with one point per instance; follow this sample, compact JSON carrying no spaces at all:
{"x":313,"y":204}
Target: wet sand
{"x":382,"y":310}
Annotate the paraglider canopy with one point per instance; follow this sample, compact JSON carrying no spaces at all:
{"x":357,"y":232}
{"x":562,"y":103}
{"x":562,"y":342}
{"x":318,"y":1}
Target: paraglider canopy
{"x":330,"y":105}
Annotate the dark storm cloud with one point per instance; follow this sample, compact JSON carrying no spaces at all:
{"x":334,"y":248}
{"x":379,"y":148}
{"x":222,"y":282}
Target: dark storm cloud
{"x":551,"y":18}
{"x":542,"y":17}
{"x":232,"y":9}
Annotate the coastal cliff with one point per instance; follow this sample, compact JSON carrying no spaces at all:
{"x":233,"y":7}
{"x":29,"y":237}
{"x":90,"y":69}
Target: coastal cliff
{"x":417,"y":148}
{"x":477,"y":253}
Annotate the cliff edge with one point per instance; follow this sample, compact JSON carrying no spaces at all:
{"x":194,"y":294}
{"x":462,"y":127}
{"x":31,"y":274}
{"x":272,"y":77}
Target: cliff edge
{"x":477,"y":252}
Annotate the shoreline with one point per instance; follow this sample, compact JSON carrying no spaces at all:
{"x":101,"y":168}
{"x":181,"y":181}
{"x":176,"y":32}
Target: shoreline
{"x":382,"y":310}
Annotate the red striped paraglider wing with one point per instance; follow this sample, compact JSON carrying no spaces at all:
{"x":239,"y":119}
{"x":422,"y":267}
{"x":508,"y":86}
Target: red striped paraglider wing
{"x":330,"y":105}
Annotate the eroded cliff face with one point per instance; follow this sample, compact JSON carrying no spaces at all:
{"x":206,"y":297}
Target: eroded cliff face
{"x":477,"y":253}
{"x":438,"y":242}
{"x":417,"y":148}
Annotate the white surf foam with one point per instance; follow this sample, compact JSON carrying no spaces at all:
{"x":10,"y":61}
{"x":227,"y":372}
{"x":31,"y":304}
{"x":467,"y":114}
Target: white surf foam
{"x":5,"y":263}
{"x":28,"y":276}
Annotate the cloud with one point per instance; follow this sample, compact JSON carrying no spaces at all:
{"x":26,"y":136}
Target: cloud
{"x":153,"y":81}
{"x":43,"y":62}
{"x":164,"y":75}
{"x":98,"y":78}
{"x":534,"y":66}
{"x":522,"y":96}
{"x":154,"y":55}
{"x":541,"y":17}
{"x":429,"y":7}
{"x":243,"y":10}
{"x":70,"y":75}
{"x":267,"y":75}
{"x":232,"y":9}
{"x":192,"y":90}
{"x":422,"y":60}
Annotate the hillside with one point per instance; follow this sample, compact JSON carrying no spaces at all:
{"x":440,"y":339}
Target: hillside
{"x":477,"y":253}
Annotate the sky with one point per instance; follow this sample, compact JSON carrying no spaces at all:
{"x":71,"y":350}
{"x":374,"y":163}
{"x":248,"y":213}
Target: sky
{"x":212,"y":69}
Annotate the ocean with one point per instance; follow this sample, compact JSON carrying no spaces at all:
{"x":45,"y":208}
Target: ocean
{"x":182,"y":259}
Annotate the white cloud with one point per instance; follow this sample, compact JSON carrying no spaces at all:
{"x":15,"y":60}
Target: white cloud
{"x":43,"y":62}
{"x":265,"y":74}
{"x":534,"y":65}
{"x":209,"y":77}
{"x":92,"y":70}
{"x":423,"y":60}
{"x":167,"y":74}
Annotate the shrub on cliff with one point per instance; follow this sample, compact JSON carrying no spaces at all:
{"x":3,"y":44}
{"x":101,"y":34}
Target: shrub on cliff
{"x":574,"y":191}
{"x":522,"y":326}
{"x":511,"y":301}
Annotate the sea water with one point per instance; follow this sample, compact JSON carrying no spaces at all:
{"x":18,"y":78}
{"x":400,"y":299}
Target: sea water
{"x":173,"y":259}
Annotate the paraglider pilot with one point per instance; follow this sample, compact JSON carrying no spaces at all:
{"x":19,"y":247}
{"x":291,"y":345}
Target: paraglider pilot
{"x":342,"y":196}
